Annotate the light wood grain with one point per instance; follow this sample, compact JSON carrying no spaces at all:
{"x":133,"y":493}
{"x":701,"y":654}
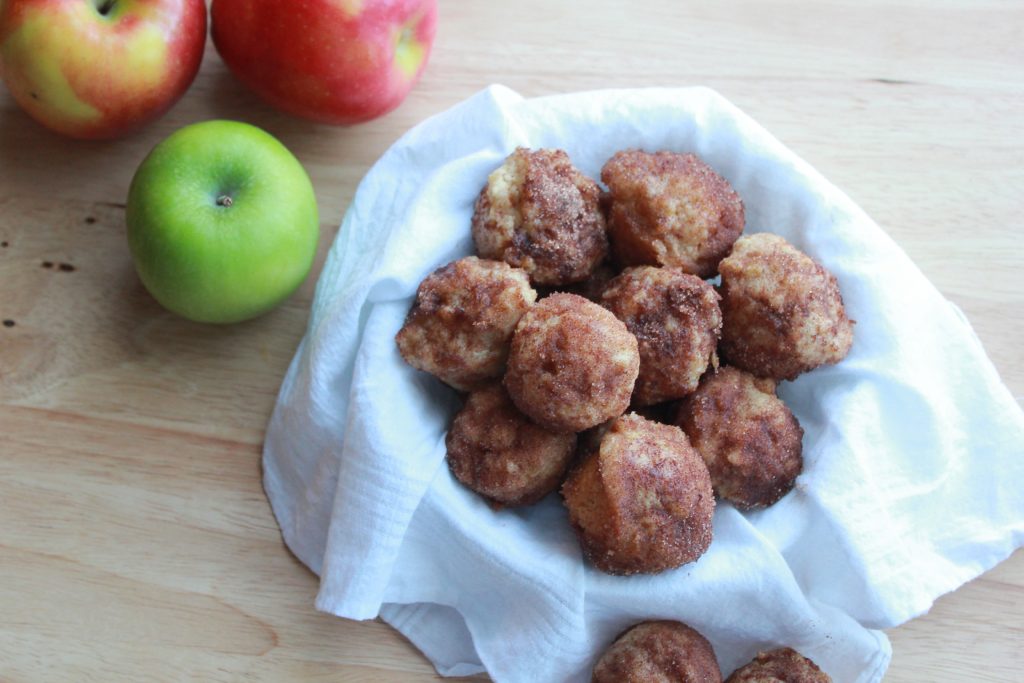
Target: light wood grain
{"x":135,"y":540}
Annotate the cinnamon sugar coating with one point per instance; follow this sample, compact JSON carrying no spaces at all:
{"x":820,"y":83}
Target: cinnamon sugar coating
{"x":642,"y":502}
{"x":784,"y":665}
{"x":658,"y":652}
{"x":572,"y":364}
{"x":676,"y":321}
{"x":670,"y":209}
{"x":460,"y":326}
{"x":749,"y":439}
{"x":496,"y":451}
{"x":782,"y":313}
{"x":538,"y":213}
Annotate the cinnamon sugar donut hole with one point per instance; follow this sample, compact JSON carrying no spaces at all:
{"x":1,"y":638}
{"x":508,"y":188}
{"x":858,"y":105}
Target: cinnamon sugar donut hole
{"x":658,"y":652}
{"x":784,"y":665}
{"x":669,"y":209}
{"x":538,"y":213}
{"x":676,"y":321}
{"x":782,"y":313}
{"x":749,"y":439}
{"x":460,"y":326}
{"x":572,"y":364}
{"x":498,"y":452}
{"x":642,"y":502}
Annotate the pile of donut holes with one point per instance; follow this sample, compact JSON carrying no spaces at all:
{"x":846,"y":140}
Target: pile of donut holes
{"x":672,"y":652}
{"x":597,"y":356}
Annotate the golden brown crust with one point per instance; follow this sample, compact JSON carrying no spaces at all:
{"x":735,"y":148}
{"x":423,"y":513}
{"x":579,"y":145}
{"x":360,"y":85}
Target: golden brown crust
{"x":783,"y":665}
{"x":782,"y":312}
{"x":658,"y":652}
{"x":676,"y":321}
{"x":460,"y":326}
{"x":670,"y":209}
{"x":538,"y":213}
{"x":572,"y":364}
{"x":496,"y":451}
{"x":749,"y":439}
{"x":642,"y":502}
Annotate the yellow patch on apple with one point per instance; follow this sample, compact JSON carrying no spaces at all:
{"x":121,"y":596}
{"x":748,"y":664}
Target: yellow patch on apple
{"x":351,"y":8}
{"x":42,"y":76}
{"x":409,"y":52}
{"x":149,"y":51}
{"x":41,"y":51}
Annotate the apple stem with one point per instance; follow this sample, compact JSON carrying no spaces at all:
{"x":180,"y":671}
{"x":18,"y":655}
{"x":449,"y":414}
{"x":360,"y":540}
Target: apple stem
{"x":224,"y":200}
{"x":105,"y":7}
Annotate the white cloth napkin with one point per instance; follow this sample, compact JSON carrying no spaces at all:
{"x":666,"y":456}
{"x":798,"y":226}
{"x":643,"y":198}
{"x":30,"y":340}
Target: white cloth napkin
{"x":913,"y":447}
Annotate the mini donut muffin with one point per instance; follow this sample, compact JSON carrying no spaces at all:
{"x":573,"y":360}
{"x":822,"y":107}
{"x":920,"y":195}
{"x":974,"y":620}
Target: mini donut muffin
{"x":784,"y":665}
{"x":782,"y":312}
{"x":496,"y":451}
{"x":658,"y":652}
{"x":669,"y":209}
{"x":538,"y":213}
{"x":572,"y":364}
{"x":676,"y":321}
{"x":642,"y":502}
{"x":461,"y":324}
{"x":747,"y":436}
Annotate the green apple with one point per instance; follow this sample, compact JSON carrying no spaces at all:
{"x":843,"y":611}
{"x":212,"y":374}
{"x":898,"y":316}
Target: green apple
{"x":222,"y":222}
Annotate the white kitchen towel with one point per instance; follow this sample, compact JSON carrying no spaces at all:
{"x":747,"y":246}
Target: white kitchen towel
{"x":914,"y":449}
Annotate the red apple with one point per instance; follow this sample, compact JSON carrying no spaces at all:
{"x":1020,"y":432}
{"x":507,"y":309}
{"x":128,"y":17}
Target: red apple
{"x":334,"y":61}
{"x":99,"y":68}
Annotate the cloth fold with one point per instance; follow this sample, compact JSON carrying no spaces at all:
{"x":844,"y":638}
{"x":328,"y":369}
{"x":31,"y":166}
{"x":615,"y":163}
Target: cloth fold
{"x":912,"y":446}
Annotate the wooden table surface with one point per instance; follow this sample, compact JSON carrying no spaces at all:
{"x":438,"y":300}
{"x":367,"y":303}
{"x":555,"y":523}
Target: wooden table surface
{"x":135,"y":539}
